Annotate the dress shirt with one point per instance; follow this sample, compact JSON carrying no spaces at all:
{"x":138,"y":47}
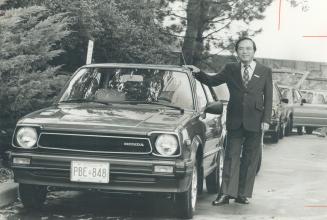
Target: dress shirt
{"x":250,"y":69}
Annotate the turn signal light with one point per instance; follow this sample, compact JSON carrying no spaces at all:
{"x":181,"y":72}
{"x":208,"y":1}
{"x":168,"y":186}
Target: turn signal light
{"x":21,"y":161}
{"x":163,"y":169}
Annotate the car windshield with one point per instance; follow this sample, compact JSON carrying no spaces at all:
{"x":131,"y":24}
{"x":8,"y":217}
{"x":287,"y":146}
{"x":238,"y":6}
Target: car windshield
{"x":314,"y":98}
{"x":129,"y":85}
{"x":287,"y":78}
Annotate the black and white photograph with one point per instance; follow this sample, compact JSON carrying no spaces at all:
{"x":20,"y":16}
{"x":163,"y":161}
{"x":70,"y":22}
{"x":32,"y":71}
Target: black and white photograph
{"x":163,"y":109}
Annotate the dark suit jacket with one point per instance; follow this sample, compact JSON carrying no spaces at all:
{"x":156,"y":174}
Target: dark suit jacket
{"x":251,"y":105}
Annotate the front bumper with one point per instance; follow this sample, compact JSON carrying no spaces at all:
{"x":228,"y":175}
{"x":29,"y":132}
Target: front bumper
{"x":126,"y":174}
{"x":273,"y":128}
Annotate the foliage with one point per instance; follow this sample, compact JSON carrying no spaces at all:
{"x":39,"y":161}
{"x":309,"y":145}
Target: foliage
{"x":29,"y":41}
{"x":213,"y":23}
{"x":123,"y":31}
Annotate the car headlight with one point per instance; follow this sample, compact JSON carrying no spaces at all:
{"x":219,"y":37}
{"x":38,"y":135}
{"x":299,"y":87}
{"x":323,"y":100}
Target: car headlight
{"x":166,"y":144}
{"x":26,"y":137}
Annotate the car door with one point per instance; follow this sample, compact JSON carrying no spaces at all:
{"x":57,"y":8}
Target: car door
{"x":213,"y":127}
{"x":282,"y":105}
{"x":312,"y":114}
{"x":297,"y":108}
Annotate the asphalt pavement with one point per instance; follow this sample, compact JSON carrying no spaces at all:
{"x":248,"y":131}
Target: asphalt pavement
{"x":290,"y":186}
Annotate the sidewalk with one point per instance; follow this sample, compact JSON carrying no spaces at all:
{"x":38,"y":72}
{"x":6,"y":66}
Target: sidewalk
{"x":8,"y":191}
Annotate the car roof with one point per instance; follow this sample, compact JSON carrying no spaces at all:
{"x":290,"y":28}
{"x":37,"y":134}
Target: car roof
{"x":293,"y":71}
{"x":140,"y":66}
{"x":284,"y":86}
{"x":288,"y":70}
{"x":314,"y":91}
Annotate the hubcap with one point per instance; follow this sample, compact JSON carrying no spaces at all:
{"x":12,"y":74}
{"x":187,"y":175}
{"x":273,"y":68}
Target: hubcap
{"x":194,"y":187}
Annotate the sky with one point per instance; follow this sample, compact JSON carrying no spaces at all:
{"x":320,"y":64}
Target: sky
{"x":284,"y":30}
{"x":288,"y":41}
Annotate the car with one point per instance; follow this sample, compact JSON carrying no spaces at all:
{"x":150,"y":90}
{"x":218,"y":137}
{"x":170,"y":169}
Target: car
{"x":313,"y":97}
{"x":289,"y":81}
{"x":295,"y":100}
{"x":312,"y":113}
{"x":280,"y":116}
{"x":123,"y":128}
{"x":222,"y":94}
{"x":316,"y":85}
{"x":289,"y":77}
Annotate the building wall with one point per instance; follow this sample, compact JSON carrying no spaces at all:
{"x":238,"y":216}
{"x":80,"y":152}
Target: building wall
{"x":317,"y":78}
{"x":316,"y":69}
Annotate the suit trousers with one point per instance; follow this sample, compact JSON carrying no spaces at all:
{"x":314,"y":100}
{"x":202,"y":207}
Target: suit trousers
{"x":240,"y":162}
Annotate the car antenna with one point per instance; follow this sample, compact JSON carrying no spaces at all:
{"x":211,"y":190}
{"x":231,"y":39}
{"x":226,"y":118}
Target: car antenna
{"x":184,"y":61}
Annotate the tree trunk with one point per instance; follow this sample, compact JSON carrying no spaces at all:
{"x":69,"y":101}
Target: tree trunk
{"x":197,"y":11}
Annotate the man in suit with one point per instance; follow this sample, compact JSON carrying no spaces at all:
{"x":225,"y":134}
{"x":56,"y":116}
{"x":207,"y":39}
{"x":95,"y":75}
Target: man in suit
{"x":248,"y":114}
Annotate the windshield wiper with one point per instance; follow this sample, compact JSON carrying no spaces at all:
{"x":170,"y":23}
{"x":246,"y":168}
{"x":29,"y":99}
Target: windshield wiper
{"x":84,"y":101}
{"x":162,"y":104}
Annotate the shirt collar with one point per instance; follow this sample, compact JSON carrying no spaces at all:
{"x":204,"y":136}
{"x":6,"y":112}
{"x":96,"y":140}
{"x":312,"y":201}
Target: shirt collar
{"x":251,"y":65}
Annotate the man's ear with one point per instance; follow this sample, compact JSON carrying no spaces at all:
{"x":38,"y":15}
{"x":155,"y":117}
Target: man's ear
{"x":234,"y":54}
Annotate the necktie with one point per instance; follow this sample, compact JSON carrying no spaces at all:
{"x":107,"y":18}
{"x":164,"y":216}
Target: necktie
{"x":246,"y":76}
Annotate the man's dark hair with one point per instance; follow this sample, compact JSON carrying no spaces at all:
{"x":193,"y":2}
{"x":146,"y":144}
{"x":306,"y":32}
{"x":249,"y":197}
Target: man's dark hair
{"x":245,"y":38}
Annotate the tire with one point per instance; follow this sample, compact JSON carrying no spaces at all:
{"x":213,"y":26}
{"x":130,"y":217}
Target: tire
{"x":308,"y":130}
{"x":200,"y":181}
{"x":186,"y":201}
{"x":299,"y":130}
{"x":281,"y":131}
{"x":213,"y":180}
{"x":275,"y":136}
{"x":289,"y":127}
{"x":32,"y":196}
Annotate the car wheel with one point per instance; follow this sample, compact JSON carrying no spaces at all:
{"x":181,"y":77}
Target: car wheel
{"x":186,"y":201}
{"x":289,"y":127}
{"x":308,"y":130}
{"x":32,"y":196}
{"x":213,"y":180}
{"x":299,"y":130}
{"x":281,"y":131}
{"x":275,"y":136}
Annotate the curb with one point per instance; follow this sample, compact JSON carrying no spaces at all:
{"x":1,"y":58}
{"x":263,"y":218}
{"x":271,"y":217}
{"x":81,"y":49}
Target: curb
{"x":8,"y":193}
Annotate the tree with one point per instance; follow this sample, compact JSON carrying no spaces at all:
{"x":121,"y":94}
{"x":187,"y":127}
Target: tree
{"x":210,"y":23}
{"x":29,"y":39}
{"x":123,"y":31}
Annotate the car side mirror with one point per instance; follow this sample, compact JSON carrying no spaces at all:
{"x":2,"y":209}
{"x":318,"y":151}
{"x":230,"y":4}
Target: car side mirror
{"x":214,"y":108}
{"x":303,"y":101}
{"x":285,"y":100}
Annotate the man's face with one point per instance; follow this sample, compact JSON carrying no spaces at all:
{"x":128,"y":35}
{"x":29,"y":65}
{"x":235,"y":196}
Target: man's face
{"x":245,"y":51}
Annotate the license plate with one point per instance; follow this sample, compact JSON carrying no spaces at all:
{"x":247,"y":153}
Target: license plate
{"x":88,"y":171}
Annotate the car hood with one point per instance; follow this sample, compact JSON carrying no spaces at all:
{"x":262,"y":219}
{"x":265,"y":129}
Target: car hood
{"x":312,"y":109}
{"x":107,"y":118}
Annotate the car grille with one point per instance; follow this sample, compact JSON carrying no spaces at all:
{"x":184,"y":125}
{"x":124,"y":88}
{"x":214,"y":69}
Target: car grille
{"x":95,"y":143}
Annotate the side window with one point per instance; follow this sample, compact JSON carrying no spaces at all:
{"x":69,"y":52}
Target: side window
{"x":286,"y":94}
{"x":222,"y":92}
{"x":201,"y":96}
{"x":208,"y":93}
